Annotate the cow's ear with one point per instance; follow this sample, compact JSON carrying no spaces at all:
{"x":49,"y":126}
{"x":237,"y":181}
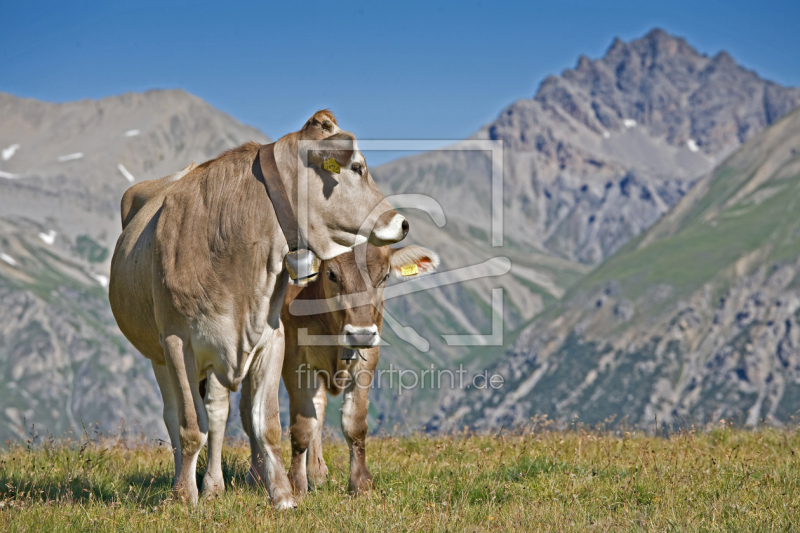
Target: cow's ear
{"x":413,"y":262}
{"x":339,"y":147}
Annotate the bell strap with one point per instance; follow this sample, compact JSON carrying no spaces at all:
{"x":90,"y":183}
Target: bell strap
{"x":277,"y":195}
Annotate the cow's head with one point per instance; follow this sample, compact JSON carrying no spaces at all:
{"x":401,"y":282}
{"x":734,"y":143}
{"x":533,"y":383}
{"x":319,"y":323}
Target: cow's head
{"x":344,"y":206}
{"x":355,"y":291}
{"x":322,"y":125}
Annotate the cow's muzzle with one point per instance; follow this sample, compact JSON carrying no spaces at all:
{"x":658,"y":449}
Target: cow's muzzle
{"x":353,"y":337}
{"x":391,"y":227}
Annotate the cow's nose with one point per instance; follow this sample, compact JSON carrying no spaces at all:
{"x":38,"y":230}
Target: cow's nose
{"x":391,"y":227}
{"x":361,"y":337}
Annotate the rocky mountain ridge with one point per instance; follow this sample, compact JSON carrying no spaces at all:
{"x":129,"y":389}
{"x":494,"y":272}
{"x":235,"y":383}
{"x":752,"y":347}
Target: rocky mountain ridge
{"x":604,"y":150}
{"x":695,"y":321}
{"x":65,"y":365}
{"x":63,"y":169}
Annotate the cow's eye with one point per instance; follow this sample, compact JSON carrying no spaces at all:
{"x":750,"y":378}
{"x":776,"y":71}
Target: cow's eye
{"x":332,"y":276}
{"x":327,"y":125}
{"x":357,"y":168}
{"x":386,"y":278}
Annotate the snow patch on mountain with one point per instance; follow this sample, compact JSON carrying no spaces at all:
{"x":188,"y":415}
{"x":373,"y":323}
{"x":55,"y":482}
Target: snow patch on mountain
{"x":48,"y":238}
{"x":125,"y":172}
{"x":9,"y":152}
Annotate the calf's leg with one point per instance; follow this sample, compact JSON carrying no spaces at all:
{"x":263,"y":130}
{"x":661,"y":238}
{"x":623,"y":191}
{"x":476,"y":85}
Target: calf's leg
{"x":317,"y":471}
{"x":354,"y":427}
{"x":217,"y":407}
{"x":305,"y":425}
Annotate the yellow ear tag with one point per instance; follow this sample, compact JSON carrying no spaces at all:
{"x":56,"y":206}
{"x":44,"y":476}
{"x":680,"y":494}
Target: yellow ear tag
{"x":409,"y":270}
{"x":332,"y":166}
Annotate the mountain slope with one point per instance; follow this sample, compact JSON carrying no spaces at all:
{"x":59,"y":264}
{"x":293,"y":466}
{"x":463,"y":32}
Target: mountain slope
{"x":65,"y":363}
{"x":694,"y":321}
{"x":65,"y":168}
{"x":64,"y":360}
{"x":596,"y":157}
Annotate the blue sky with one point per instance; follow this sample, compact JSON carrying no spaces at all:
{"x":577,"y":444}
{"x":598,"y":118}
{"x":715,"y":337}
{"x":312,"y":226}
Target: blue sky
{"x":412,"y":70}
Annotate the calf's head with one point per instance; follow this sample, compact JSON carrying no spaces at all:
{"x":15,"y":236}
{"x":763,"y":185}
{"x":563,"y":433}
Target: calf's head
{"x":354,"y":291}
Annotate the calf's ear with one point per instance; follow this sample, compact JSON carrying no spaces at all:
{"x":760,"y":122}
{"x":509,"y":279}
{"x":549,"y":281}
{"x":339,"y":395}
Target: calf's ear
{"x":339,"y":147}
{"x":413,"y":262}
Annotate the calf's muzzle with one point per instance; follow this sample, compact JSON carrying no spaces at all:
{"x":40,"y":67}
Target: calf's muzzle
{"x":360,"y":337}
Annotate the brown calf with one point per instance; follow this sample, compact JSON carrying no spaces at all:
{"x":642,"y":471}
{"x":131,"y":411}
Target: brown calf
{"x":353,"y":296}
{"x":349,"y":303}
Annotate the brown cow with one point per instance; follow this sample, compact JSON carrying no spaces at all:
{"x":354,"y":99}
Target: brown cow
{"x":198,"y":283}
{"x":350,"y":300}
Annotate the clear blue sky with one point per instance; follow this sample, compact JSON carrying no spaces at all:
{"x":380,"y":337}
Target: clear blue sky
{"x":418,"y":70}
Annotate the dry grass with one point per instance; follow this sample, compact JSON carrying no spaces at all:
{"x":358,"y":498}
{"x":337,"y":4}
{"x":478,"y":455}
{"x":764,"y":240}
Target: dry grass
{"x":721,"y":479}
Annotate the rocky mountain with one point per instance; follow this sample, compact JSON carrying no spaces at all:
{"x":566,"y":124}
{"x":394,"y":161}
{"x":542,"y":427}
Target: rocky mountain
{"x":604,"y":150}
{"x":595,"y":158}
{"x":64,"y":363}
{"x":696,"y":320}
{"x":63,"y":169}
{"x":66,"y":165}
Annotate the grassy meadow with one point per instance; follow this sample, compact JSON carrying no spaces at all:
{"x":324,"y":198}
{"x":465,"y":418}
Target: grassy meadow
{"x":533,"y":479}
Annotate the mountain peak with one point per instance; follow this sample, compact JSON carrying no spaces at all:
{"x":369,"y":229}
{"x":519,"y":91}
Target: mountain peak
{"x":616,"y":46}
{"x":724,"y":59}
{"x":584,"y":63}
{"x":656,"y":45}
{"x":662,"y":83}
{"x":661,"y":39}
{"x":658,"y":33}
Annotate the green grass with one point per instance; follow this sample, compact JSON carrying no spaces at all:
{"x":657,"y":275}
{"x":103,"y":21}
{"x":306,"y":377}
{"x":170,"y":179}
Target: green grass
{"x":722,"y":479}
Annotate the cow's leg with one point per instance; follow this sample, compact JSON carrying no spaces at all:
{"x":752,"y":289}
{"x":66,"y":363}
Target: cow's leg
{"x":193,"y":430}
{"x":354,"y":427}
{"x":170,"y":414}
{"x":305,"y":425}
{"x":317,"y":471}
{"x":265,"y":377}
{"x":217,"y":406}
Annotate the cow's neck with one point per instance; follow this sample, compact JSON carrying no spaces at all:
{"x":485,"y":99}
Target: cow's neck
{"x":286,"y":159}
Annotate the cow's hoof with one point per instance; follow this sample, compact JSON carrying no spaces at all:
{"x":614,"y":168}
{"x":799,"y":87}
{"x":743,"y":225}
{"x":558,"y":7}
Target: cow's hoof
{"x":317,"y":476}
{"x":213,"y":487}
{"x":185,"y":494}
{"x":285,"y":504}
{"x":361,"y":485}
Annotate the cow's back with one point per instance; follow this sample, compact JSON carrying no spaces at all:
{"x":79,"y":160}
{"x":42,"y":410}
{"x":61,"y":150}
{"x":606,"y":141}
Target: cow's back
{"x":138,"y":195}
